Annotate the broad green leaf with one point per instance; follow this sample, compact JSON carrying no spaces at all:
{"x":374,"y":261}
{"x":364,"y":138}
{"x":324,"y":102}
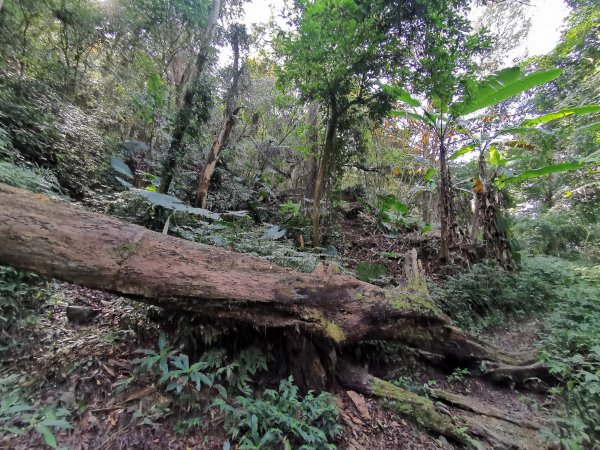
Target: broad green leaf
{"x":462,"y":151}
{"x":49,"y":438}
{"x":495,"y":157}
{"x":58,"y":423}
{"x":591,"y":127}
{"x":405,"y":97}
{"x":579,"y":110}
{"x":119,"y":165}
{"x":546,"y":170}
{"x":412,"y":115}
{"x":524,"y":130}
{"x":401,"y":94}
{"x":431,"y":173}
{"x":502,"y":86}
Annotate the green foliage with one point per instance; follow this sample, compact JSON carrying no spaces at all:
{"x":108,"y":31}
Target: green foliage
{"x":212,"y":369}
{"x":571,"y":349}
{"x":559,"y":232}
{"x":277,"y":417}
{"x":280,"y":418}
{"x":295,"y":220}
{"x":486,"y":294}
{"x":502,"y":85}
{"x":252,"y":241}
{"x":33,"y":179}
{"x":18,"y":416}
{"x":17,"y":289}
{"x":366,"y":271}
{"x":458,"y":375}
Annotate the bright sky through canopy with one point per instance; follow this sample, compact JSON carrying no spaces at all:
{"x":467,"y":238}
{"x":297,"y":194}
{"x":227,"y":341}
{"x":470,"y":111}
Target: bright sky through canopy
{"x":547,"y":17}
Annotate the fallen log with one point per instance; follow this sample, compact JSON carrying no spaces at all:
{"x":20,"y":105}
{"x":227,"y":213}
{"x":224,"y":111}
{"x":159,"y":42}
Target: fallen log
{"x":56,"y":239}
{"x":321,"y":311}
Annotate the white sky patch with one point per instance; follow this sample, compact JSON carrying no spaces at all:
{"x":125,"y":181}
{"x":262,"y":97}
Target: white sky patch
{"x":547,"y":19}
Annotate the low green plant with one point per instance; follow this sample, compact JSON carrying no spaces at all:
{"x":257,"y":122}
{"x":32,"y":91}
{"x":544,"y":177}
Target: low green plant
{"x":394,"y":215}
{"x":281,"y":418}
{"x":294,"y":220}
{"x":33,"y":179}
{"x":278,"y":417}
{"x":18,"y":289}
{"x":422,"y":389}
{"x":570,"y":347}
{"x":19,"y":417}
{"x":563,"y":233}
{"x":485,"y":295}
{"x":211,"y":371}
{"x":458,"y":375}
{"x":366,"y":271}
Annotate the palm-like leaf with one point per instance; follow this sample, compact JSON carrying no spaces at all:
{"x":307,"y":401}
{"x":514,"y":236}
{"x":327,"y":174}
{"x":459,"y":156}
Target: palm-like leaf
{"x":499,"y":87}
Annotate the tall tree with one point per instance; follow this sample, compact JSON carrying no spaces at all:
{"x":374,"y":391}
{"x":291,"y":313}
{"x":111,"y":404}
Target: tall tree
{"x":444,"y":62}
{"x":184,"y":116}
{"x":239,"y":40}
{"x":336,"y":57}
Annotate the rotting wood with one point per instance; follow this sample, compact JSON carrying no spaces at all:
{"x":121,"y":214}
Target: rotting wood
{"x":57,"y":239}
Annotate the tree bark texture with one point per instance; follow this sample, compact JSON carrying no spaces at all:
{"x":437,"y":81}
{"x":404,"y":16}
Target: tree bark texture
{"x":59,"y":240}
{"x":228,"y":123}
{"x":211,"y":162}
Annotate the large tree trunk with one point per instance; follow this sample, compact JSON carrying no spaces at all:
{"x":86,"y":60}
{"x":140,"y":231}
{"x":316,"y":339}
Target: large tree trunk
{"x":58,"y":240}
{"x":184,"y":116}
{"x":320,"y":312}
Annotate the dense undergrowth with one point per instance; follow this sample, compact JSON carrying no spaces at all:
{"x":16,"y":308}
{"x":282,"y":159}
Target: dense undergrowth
{"x":483,"y":296}
{"x":565,"y":295}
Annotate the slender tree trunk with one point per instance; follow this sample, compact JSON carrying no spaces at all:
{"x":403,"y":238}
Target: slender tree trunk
{"x":478,"y":194}
{"x":313,"y":139}
{"x":326,"y":157}
{"x":184,"y":116}
{"x":445,"y":206}
{"x":229,"y":122}
{"x":213,"y":157}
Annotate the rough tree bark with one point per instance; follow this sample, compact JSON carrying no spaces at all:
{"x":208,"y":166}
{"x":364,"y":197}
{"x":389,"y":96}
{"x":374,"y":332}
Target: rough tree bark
{"x":58,"y":240}
{"x":322,"y":311}
{"x":184,"y":116}
{"x":488,"y":203}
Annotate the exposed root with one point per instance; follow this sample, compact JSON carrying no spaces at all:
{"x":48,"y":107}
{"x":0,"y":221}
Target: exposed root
{"x":489,"y":428}
{"x":533,"y":376}
{"x":479,"y":407}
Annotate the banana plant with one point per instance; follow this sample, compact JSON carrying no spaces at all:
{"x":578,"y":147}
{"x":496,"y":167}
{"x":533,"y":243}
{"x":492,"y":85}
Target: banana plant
{"x":487,"y":144}
{"x":447,"y":117}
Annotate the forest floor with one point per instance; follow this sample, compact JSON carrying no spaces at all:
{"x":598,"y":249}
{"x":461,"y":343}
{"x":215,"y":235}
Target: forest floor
{"x":83,"y":368}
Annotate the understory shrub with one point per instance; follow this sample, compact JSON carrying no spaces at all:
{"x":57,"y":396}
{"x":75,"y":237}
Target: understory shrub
{"x":562,"y":233}
{"x":281,"y":418}
{"x":277,"y":418}
{"x":17,"y":289}
{"x":571,"y":348}
{"x":20,"y":416}
{"x":481,"y":297}
{"x":33,"y":179}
